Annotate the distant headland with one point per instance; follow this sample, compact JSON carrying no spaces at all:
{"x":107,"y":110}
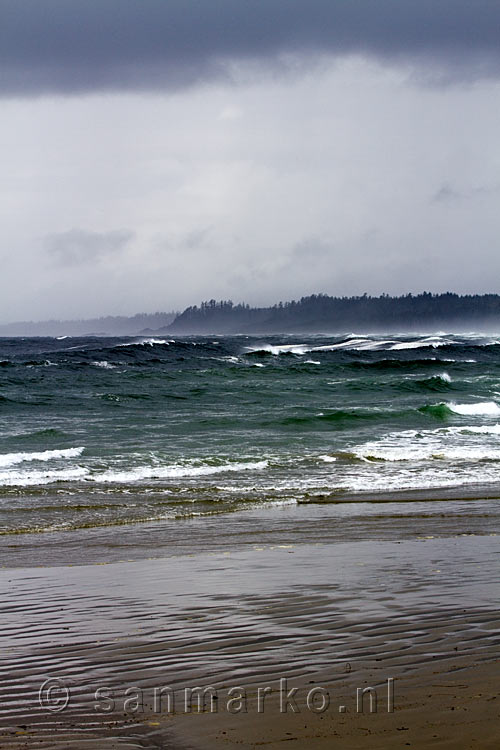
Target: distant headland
{"x":317,"y":313}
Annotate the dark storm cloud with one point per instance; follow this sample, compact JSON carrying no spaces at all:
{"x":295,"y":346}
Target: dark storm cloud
{"x":78,"y":246}
{"x":68,"y":46}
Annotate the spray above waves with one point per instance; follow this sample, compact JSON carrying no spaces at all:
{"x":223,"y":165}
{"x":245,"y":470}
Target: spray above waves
{"x":359,"y":343}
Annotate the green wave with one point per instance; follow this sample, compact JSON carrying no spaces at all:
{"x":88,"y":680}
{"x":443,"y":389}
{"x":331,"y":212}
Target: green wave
{"x":438,"y":411}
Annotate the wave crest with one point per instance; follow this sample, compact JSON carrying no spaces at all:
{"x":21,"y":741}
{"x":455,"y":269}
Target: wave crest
{"x":11,"y":459}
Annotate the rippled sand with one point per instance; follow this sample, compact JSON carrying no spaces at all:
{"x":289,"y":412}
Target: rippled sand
{"x":271,"y":604}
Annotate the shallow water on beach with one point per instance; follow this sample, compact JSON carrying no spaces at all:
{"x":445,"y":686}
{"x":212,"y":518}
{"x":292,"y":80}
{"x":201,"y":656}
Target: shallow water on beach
{"x":103,"y":433}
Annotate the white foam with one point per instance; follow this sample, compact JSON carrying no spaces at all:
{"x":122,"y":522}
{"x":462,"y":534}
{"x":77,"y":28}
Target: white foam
{"x":436,"y":451}
{"x":433,"y":477}
{"x":484,"y":408}
{"x":12,"y":478}
{"x":359,"y":342}
{"x":445,"y":443}
{"x":175,"y":471}
{"x":351,"y":344}
{"x":11,"y":459}
{"x":152,"y":342}
{"x":144,"y":342}
{"x":327,"y":459}
{"x":356,"y":344}
{"x":423,"y":343}
{"x":281,"y":349}
{"x":312,"y":362}
{"x":105,"y":365}
{"x":481,"y":430}
{"x":443,"y":376}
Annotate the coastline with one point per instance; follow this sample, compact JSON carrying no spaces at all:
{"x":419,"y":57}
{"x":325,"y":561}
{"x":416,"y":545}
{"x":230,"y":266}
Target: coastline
{"x":326,"y":518}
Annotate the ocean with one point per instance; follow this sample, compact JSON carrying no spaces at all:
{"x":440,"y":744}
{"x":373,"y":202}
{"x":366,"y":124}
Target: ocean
{"x":235,"y":511}
{"x":125,"y":435}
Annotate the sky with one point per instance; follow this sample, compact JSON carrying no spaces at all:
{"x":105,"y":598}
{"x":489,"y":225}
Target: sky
{"x":156,"y":153}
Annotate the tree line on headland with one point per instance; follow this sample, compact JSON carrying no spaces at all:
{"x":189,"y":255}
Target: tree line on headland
{"x":322,"y":313}
{"x":318,"y":313}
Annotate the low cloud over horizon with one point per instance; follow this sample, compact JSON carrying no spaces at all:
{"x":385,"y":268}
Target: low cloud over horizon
{"x":157,"y":152}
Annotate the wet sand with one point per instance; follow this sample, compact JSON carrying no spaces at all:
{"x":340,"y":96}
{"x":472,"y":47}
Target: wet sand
{"x":451,"y":707}
{"x":418,"y":609}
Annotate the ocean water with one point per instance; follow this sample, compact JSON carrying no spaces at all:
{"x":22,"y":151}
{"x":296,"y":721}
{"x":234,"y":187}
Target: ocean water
{"x":99,"y":432}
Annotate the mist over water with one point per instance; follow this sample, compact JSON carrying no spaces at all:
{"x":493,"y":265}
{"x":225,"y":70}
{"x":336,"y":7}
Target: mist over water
{"x":119,"y":431}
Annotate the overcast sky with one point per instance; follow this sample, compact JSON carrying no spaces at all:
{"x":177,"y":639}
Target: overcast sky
{"x":155,"y":153}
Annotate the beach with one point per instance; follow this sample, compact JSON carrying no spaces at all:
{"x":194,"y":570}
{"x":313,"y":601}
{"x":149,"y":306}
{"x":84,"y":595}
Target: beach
{"x":412,"y":616}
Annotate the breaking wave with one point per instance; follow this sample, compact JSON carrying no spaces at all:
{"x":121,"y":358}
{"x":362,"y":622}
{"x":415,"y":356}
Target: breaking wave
{"x":176,"y":471}
{"x":443,"y":410}
{"x":12,"y":478}
{"x":11,"y":459}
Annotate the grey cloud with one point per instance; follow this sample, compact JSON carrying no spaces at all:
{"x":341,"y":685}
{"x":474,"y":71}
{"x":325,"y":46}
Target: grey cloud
{"x":313,"y":251}
{"x":448,"y":194}
{"x":78,"y":247}
{"x":95,"y":45}
{"x":196,"y":239}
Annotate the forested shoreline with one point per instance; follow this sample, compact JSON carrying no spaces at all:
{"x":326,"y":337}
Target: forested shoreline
{"x":317,"y":313}
{"x":322,"y":313}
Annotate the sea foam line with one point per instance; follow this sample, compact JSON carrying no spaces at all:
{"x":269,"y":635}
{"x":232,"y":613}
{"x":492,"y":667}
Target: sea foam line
{"x":11,"y":478}
{"x":173,"y":472}
{"x":11,"y":459}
